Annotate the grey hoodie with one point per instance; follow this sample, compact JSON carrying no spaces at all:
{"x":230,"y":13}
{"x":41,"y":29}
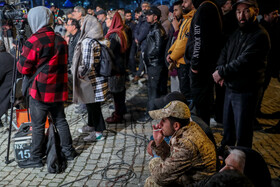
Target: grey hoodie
{"x":39,"y":17}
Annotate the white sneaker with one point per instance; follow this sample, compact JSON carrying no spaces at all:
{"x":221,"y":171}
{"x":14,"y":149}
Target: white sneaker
{"x":86,"y":129}
{"x":91,"y":137}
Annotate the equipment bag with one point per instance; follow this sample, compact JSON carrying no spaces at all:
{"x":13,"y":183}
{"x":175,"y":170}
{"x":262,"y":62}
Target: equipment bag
{"x":106,"y":64}
{"x":56,"y":160}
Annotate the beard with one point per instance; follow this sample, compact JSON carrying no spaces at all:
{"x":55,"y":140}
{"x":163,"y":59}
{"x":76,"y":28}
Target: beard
{"x":186,"y":10}
{"x":246,"y":23}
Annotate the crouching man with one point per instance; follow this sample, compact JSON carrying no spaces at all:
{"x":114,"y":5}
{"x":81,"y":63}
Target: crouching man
{"x":190,"y":155}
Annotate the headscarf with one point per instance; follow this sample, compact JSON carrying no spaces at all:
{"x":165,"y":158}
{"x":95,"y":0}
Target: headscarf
{"x":91,"y":28}
{"x":118,"y":27}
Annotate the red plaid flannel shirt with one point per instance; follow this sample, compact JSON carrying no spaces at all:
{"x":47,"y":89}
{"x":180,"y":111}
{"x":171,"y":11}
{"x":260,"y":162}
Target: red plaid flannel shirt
{"x":50,"y":85}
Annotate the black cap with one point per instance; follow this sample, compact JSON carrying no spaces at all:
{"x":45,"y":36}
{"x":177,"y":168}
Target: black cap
{"x":164,"y":100}
{"x":154,"y":10}
{"x":101,"y":12}
{"x":248,"y":2}
{"x":221,"y":2}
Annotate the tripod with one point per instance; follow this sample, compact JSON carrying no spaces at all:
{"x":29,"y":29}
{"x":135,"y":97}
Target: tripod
{"x":20,"y":39}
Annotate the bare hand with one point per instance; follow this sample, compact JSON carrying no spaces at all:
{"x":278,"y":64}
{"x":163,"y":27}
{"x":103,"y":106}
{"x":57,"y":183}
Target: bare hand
{"x":221,"y":82}
{"x":157,"y":134}
{"x":168,"y":59}
{"x":136,"y":41}
{"x":217,"y":78}
{"x":176,"y":24}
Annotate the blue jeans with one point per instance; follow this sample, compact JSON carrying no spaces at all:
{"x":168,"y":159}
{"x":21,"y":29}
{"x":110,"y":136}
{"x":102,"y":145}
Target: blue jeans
{"x":239,"y":116}
{"x":39,"y":111}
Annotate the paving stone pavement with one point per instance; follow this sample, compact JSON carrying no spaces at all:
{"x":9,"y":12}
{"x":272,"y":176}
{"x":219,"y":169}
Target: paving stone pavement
{"x":123,"y":151}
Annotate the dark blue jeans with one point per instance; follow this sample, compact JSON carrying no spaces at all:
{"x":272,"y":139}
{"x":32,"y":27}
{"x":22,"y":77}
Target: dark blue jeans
{"x":239,"y":116}
{"x":39,"y":111}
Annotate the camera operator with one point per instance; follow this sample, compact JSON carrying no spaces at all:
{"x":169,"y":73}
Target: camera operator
{"x":6,"y":73}
{"x":49,"y":87}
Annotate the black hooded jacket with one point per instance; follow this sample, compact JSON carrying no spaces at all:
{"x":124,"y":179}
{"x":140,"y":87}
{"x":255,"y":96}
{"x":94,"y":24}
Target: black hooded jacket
{"x":206,"y":39}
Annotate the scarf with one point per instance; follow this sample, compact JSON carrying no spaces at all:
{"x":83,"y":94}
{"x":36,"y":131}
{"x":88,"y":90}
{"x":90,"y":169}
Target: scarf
{"x":118,"y":27}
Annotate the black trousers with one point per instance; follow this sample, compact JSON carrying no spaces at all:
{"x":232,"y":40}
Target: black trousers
{"x":202,"y":95}
{"x":39,"y":111}
{"x":95,"y":117}
{"x":184,"y":80}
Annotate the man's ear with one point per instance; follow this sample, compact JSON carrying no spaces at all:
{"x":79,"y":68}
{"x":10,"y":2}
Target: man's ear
{"x":176,"y":126}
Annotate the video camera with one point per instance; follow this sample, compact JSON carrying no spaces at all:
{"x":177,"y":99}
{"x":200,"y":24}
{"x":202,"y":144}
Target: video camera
{"x":17,"y":13}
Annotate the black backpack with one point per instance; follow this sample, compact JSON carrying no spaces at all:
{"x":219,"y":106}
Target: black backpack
{"x":106,"y":65}
{"x":56,"y":160}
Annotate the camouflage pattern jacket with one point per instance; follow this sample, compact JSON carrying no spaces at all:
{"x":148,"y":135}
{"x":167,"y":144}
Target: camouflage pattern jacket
{"x":189,"y":157}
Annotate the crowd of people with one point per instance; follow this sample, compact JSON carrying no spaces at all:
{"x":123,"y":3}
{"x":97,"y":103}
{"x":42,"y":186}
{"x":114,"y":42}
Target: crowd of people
{"x":211,"y":51}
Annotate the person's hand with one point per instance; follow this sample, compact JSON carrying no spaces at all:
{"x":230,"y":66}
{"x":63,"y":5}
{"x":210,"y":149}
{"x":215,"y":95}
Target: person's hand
{"x":157,"y":134}
{"x":136,"y":41}
{"x":168,"y":59}
{"x":176,"y":24}
{"x":221,"y":82}
{"x":194,"y":71}
{"x":217,"y":78}
{"x":149,"y":148}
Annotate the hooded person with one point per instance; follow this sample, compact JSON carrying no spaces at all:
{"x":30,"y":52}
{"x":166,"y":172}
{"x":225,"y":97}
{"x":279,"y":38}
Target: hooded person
{"x":164,"y":18}
{"x":48,"y":91}
{"x":89,"y":87}
{"x":118,"y":39}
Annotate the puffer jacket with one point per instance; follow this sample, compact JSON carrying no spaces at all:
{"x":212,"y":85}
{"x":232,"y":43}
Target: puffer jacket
{"x":155,"y":47}
{"x":243,"y":60}
{"x":177,"y":50}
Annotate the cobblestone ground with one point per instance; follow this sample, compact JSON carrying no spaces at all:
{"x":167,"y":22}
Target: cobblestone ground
{"x":122,"y":152}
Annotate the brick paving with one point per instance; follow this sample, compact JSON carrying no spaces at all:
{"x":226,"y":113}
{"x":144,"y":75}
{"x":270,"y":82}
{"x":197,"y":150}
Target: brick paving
{"x":122,"y":152}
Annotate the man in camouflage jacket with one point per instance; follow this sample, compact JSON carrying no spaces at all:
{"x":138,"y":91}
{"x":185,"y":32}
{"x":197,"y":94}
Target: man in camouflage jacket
{"x":190,"y":155}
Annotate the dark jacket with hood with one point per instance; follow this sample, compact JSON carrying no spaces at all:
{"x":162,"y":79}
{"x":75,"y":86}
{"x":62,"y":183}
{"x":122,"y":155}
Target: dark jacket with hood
{"x":156,"y":42}
{"x":205,"y":41}
{"x":141,"y":31}
{"x":243,"y":59}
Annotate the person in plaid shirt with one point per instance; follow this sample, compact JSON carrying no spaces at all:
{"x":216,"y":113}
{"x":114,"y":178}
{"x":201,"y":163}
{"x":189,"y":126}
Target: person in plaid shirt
{"x":49,"y":88}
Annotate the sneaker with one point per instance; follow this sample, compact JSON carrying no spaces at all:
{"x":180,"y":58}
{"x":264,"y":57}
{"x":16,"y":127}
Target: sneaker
{"x":99,"y":136}
{"x":31,"y":164}
{"x":86,"y":129}
{"x":144,"y":119}
{"x":91,"y":137}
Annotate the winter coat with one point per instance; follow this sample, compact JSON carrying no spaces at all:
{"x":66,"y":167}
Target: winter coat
{"x":177,"y":50}
{"x":156,"y":42}
{"x":87,"y":87}
{"x":206,"y":39}
{"x":243,"y":60}
{"x":141,"y":31}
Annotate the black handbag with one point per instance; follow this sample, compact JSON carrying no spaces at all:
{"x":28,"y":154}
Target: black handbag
{"x":28,"y":80}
